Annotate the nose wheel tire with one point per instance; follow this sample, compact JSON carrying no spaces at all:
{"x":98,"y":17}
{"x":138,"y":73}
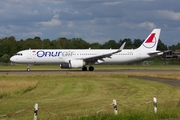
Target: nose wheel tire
{"x":28,"y":69}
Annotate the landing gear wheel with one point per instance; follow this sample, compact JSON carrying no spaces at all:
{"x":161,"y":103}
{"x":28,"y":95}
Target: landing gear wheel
{"x":91,"y":68}
{"x":28,"y":69}
{"x":84,"y":68}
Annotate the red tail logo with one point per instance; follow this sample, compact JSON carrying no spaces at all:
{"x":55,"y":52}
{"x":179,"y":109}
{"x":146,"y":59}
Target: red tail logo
{"x":150,"y":39}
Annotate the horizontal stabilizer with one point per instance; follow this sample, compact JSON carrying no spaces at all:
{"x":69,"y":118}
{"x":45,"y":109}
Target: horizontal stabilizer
{"x":155,"y":53}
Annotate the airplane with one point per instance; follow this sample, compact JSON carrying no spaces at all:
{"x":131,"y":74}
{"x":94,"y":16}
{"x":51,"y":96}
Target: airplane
{"x":79,"y":58}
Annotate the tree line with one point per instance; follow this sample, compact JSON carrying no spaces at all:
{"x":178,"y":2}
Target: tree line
{"x":9,"y":45}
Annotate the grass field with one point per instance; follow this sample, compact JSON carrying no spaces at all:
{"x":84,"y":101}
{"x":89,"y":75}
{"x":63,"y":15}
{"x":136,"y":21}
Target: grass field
{"x":80,"y":96}
{"x":97,"y":67}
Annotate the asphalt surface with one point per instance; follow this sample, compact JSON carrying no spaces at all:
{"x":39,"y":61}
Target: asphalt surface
{"x":172,"y":82}
{"x":95,"y":71}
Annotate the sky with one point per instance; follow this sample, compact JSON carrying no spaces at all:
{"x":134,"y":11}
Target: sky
{"x":91,"y":20}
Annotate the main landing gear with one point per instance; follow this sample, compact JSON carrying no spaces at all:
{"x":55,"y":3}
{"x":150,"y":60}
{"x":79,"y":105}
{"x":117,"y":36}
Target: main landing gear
{"x":84,"y":68}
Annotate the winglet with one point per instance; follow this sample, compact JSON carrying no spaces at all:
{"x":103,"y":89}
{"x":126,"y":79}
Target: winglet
{"x":122,"y":47}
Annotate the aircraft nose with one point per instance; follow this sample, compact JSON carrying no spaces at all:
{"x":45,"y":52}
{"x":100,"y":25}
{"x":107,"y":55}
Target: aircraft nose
{"x":12,"y":59}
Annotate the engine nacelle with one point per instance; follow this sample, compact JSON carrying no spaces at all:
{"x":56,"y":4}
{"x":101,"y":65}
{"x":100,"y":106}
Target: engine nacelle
{"x":76,"y":63}
{"x":73,"y":64}
{"x":65,"y":65}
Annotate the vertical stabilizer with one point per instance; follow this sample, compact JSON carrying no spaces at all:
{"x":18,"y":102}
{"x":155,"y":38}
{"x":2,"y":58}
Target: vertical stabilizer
{"x":151,"y":42}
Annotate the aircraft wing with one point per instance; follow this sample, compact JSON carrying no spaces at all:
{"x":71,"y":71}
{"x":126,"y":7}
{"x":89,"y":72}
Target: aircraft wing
{"x":108,"y":55}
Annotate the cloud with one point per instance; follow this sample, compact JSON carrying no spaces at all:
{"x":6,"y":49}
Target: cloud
{"x":92,"y":20}
{"x":53,"y":22}
{"x":6,"y":29}
{"x":169,"y":14}
{"x":65,"y":33}
{"x":34,"y":12}
{"x":52,"y":1}
{"x":70,"y":24}
{"x":126,"y":25}
{"x":30,"y":34}
{"x":112,"y":3}
{"x":148,"y":25}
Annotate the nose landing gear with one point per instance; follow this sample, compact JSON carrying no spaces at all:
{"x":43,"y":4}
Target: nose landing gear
{"x":28,"y":67}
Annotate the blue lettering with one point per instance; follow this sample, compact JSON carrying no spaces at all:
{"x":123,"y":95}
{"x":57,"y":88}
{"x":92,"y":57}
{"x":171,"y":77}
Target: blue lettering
{"x":48,"y":54}
{"x":54,"y":54}
{"x":59,"y":53}
{"x":40,"y":54}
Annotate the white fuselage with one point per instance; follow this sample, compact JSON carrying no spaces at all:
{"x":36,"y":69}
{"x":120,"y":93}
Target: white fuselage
{"x":59,"y":56}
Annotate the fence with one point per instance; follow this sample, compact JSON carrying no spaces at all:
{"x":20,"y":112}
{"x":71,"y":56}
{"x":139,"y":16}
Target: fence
{"x":114,"y":104}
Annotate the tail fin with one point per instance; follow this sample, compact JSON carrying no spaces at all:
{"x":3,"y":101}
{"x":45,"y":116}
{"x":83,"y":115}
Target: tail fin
{"x":151,"y":42}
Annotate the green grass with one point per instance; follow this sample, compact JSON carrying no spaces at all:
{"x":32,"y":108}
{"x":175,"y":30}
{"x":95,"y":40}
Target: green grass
{"x":97,"y":67}
{"x":80,"y":96}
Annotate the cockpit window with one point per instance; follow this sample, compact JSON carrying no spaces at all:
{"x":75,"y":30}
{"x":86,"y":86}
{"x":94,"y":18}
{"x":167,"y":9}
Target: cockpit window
{"x":19,"y":54}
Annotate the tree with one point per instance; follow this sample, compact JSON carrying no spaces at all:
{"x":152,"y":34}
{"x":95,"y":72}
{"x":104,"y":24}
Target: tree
{"x":79,"y":43}
{"x":161,"y":46}
{"x":137,"y":43}
{"x":63,"y":43}
{"x":20,"y":45}
{"x":95,"y":45}
{"x":33,"y":43}
{"x":129,"y":44}
{"x":5,"y":59}
{"x":110,"y":44}
{"x":54,"y":44}
{"x":46,"y":44}
{"x":8,"y":46}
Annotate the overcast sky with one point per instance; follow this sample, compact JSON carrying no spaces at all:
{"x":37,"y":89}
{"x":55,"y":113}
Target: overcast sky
{"x":91,"y":20}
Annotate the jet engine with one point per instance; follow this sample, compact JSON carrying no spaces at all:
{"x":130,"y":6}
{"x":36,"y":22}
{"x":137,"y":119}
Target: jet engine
{"x":64,"y":65}
{"x":73,"y":64}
